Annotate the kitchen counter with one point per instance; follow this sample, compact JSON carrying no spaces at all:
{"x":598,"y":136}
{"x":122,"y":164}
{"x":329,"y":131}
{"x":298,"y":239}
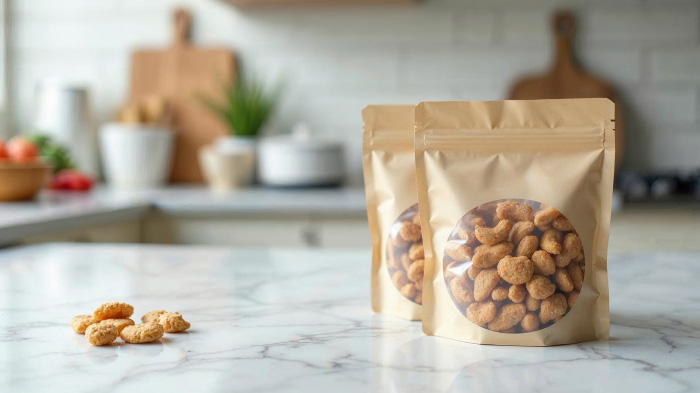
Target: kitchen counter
{"x":311,"y":217}
{"x":60,"y":211}
{"x":281,"y":320}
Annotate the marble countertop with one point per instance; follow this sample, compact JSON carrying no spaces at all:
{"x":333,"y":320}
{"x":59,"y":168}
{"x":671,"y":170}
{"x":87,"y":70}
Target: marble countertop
{"x":56,"y":211}
{"x":300,"y":321}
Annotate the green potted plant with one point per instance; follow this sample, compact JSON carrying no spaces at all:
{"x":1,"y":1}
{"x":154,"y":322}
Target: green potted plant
{"x":246,"y":107}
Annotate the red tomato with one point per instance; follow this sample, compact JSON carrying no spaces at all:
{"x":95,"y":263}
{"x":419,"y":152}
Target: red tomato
{"x":72,"y":180}
{"x":21,"y":149}
{"x":3,"y":151}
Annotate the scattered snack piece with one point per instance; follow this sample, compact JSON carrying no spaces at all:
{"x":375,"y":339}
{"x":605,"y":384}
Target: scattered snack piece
{"x":544,"y":263}
{"x":546,"y":216}
{"x":517,"y":293}
{"x":540,"y":287}
{"x":553,"y":308}
{"x":526,"y":269}
{"x":571,"y":298}
{"x":399,"y":278}
{"x":562,"y":224}
{"x":101,"y":333}
{"x":415,"y":271}
{"x":481,"y":313}
{"x":120,"y":324}
{"x":173,"y":322}
{"x":152,"y":316}
{"x":528,"y":245}
{"x":81,"y":322}
{"x":499,"y":294}
{"x":520,"y":230}
{"x":507,"y":316}
{"x":458,"y":250}
{"x":493,"y":235}
{"x":569,"y":250}
{"x":410,"y":232}
{"x":514,"y":210}
{"x":485,"y":283}
{"x":551,"y":241}
{"x":462,"y":290}
{"x":142,"y":333}
{"x":516,"y":270}
{"x":112,"y":310}
{"x":530,"y":322}
{"x":531,"y":303}
{"x":416,"y":252}
{"x":486,"y":256}
{"x":408,"y":290}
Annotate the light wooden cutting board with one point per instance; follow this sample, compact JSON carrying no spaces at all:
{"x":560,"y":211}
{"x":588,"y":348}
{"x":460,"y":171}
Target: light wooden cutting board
{"x":567,"y":80}
{"x":180,"y":74}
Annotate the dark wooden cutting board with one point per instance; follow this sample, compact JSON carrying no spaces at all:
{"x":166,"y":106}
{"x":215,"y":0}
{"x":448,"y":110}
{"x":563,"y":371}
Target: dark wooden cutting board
{"x":180,"y":74}
{"x":566,"y":79}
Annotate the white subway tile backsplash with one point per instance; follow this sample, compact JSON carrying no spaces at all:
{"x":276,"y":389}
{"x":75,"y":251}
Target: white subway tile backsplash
{"x":663,"y":150}
{"x":680,"y":64}
{"x":336,"y":60}
{"x":619,"y":64}
{"x":474,"y":27}
{"x":659,"y":23}
{"x":330,"y":66}
{"x":526,"y":27}
{"x":671,"y":109}
{"x":459,"y":64}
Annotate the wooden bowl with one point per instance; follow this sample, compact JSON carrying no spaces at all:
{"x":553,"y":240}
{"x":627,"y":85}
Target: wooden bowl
{"x":22,"y":181}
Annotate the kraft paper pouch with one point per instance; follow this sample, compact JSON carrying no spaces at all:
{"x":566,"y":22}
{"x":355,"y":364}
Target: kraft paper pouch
{"x":515,"y":201}
{"x":392,"y":210}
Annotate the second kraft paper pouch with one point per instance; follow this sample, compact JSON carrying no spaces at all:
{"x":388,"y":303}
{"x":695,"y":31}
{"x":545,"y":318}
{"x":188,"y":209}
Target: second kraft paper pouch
{"x":392,"y":210}
{"x":515,"y":200}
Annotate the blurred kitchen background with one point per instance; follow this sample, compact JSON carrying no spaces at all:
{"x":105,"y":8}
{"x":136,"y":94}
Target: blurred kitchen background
{"x":72,"y":70}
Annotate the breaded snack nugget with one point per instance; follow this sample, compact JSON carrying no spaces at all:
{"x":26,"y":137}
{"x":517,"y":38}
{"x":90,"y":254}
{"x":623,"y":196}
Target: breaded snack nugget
{"x":101,"y":333}
{"x":112,"y":310}
{"x":142,"y":333}
{"x":173,"y":322}
{"x":81,"y":322}
{"x":152,"y":316}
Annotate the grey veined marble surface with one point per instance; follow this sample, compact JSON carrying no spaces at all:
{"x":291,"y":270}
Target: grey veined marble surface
{"x":300,"y":321}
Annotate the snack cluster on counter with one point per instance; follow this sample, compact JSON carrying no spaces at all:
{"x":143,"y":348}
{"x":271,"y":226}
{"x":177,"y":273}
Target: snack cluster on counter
{"x":112,"y":320}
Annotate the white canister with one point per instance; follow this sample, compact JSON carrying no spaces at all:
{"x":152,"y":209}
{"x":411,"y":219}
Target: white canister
{"x":136,"y":156}
{"x":63,"y":113}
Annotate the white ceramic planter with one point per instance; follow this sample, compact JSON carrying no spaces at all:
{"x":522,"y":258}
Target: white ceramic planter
{"x":136,"y":156}
{"x":227,"y":171}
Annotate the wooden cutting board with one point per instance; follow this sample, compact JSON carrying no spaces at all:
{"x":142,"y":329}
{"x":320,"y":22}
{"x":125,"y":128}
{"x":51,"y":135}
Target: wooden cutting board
{"x":566,"y":79}
{"x":180,"y":74}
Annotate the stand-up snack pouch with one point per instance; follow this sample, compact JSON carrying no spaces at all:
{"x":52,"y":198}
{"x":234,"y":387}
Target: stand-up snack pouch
{"x":515,"y":201}
{"x":392,"y":210}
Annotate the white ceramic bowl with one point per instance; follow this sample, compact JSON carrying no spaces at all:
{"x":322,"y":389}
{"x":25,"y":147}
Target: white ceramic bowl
{"x":136,"y":156}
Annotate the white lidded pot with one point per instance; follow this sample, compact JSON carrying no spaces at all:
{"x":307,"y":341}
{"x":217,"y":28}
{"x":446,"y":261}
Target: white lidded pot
{"x":136,"y":156}
{"x":300,"y":160}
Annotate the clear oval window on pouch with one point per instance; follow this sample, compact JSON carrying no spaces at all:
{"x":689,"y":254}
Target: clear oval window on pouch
{"x":404,"y":255}
{"x":514,"y":266}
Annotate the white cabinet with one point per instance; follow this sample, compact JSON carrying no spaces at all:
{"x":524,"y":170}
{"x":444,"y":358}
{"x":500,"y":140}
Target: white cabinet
{"x":257,"y":231}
